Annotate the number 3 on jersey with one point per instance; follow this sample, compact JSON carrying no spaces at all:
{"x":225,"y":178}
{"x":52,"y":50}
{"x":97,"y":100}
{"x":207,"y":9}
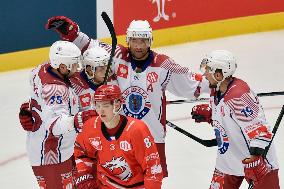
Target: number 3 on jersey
{"x":147,"y":142}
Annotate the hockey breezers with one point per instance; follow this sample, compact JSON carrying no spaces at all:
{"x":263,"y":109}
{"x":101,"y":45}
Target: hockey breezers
{"x":207,"y":143}
{"x":207,"y":99}
{"x":275,"y":128}
{"x":113,"y":43}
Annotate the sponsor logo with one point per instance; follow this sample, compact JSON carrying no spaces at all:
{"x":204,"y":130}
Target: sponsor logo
{"x":122,"y":71}
{"x":152,"y":77}
{"x":221,"y":136}
{"x":96,"y":143}
{"x":85,"y":100}
{"x":125,"y":146}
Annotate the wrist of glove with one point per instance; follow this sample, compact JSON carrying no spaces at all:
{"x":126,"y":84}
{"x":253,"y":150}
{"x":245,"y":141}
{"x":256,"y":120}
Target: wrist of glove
{"x":67,"y":28}
{"x":81,"y":117}
{"x":85,"y":181}
{"x":25,"y":117}
{"x":202,"y":113}
{"x":255,"y":169}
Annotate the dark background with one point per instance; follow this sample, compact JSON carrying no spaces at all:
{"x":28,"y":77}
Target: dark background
{"x":22,"y":22}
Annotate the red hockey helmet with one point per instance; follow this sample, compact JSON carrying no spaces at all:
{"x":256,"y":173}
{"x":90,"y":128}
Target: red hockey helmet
{"x":107,"y":93}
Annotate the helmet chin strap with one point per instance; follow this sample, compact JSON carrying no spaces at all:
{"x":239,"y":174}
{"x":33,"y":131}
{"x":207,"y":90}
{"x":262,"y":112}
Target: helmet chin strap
{"x":218,"y":82}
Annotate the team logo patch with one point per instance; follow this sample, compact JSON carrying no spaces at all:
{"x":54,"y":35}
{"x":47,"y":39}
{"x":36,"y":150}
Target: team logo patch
{"x":85,"y":100}
{"x":138,"y":102}
{"x":122,"y":71}
{"x":222,"y":137}
{"x":96,"y":143}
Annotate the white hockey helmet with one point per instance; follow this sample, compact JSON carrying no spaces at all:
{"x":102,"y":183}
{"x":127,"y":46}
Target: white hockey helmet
{"x":95,"y":56}
{"x":64,"y":52}
{"x":139,"y":29}
{"x":220,"y":59}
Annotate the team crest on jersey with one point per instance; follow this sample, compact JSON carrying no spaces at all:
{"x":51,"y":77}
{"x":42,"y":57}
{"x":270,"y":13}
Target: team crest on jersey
{"x":221,"y":136}
{"x":119,"y":167}
{"x":138,"y":102}
{"x":96,"y":143}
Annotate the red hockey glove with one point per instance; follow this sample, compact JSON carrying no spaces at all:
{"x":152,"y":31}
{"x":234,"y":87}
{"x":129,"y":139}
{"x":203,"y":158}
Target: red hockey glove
{"x":255,"y":169}
{"x":85,"y":181}
{"x":26,"y":118}
{"x":67,"y":28}
{"x":202,"y":113}
{"x":81,"y":117}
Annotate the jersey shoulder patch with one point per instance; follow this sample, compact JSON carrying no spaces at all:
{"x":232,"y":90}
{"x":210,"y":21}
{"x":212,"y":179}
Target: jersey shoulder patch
{"x":236,"y":89}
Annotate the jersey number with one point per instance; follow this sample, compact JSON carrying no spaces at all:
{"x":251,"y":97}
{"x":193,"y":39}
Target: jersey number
{"x":147,"y":142}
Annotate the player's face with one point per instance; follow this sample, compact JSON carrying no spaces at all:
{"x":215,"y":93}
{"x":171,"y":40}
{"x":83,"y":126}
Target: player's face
{"x":139,"y":48}
{"x":100,"y":72}
{"x":209,"y":77}
{"x":105,"y":110}
{"x":65,"y":71}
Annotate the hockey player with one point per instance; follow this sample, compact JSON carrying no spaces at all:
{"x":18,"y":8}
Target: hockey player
{"x":49,"y":117}
{"x":116,"y":151}
{"x":142,"y":74}
{"x":240,"y":127}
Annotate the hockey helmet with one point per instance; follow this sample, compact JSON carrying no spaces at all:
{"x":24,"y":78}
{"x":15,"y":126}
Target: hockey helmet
{"x":139,"y":29}
{"x":107,"y":93}
{"x":64,"y":52}
{"x":95,"y":56}
{"x":220,"y":59}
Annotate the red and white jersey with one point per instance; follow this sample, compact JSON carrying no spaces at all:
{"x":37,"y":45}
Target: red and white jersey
{"x":239,"y":123}
{"x":85,"y":89}
{"x":53,"y":102}
{"x":144,"y":93}
{"x":129,"y":159}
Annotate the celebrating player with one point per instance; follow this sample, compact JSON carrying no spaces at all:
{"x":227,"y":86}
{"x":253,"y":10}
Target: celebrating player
{"x":240,"y":127}
{"x":116,"y":151}
{"x":48,"y":117}
{"x":142,"y":75}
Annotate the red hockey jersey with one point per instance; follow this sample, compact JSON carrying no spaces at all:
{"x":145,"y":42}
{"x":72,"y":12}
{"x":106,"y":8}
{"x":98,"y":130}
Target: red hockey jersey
{"x":127,"y":160}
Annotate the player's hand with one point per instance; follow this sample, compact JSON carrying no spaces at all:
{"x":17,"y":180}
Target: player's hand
{"x":81,"y":117}
{"x":67,"y":28}
{"x":255,"y":169}
{"x":202,"y":113}
{"x":85,"y":181}
{"x":26,"y":118}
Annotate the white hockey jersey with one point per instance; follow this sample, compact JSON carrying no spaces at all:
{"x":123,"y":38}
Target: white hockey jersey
{"x":144,"y":93}
{"x":239,"y":123}
{"x":53,"y":102}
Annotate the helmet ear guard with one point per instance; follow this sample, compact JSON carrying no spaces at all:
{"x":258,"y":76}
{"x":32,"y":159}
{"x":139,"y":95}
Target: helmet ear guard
{"x":64,"y":52}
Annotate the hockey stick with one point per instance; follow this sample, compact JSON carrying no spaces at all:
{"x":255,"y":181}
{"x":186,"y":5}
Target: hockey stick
{"x":207,"y":143}
{"x":207,"y":99}
{"x":113,"y":42}
{"x":275,"y":128}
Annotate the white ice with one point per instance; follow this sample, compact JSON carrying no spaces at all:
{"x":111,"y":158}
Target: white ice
{"x":260,"y":62}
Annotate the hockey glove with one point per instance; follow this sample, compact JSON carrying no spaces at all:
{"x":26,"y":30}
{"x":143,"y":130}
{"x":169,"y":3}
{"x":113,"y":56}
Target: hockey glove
{"x":67,"y":29}
{"x":202,"y":113}
{"x":26,"y":118}
{"x":255,"y":169}
{"x":81,"y":117}
{"x":85,"y":181}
